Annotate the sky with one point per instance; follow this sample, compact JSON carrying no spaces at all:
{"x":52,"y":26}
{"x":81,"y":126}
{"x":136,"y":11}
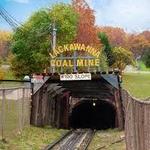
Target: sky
{"x":131,"y":15}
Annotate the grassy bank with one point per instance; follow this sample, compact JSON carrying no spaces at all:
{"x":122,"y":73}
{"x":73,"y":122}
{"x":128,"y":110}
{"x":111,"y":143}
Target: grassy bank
{"x":108,"y":140}
{"x":138,"y":84}
{"x":33,"y":138}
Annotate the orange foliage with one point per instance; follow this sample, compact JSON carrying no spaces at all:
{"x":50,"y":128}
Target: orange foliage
{"x":146,"y":35}
{"x":5,"y":38}
{"x":138,"y":44}
{"x":86,"y":32}
{"x":116,"y":36}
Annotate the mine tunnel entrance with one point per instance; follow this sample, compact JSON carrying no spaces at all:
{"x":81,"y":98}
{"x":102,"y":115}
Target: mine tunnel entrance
{"x":93,"y":114}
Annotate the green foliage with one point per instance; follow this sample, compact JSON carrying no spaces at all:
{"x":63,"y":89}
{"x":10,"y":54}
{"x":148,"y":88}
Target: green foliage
{"x":117,"y":57}
{"x":146,"y":58}
{"x":106,"y":47}
{"x":122,"y":58}
{"x":66,"y":20}
{"x":103,"y":62}
{"x":28,"y":42}
{"x":141,"y":66}
{"x":104,"y":39}
{"x":32,"y":42}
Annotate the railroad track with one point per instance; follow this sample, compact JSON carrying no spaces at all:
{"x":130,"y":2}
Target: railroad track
{"x":76,"y":140}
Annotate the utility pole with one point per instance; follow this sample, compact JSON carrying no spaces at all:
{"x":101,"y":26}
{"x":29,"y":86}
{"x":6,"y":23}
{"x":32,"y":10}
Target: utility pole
{"x":53,"y":41}
{"x":54,"y":37}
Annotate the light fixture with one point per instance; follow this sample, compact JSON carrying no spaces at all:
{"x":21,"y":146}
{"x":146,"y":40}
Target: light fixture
{"x":94,"y":103}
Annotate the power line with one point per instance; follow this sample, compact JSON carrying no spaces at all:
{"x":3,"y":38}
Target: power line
{"x":11,"y":16}
{"x":9,"y":19}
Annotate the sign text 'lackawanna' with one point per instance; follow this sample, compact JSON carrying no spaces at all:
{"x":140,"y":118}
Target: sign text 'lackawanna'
{"x":58,"y":62}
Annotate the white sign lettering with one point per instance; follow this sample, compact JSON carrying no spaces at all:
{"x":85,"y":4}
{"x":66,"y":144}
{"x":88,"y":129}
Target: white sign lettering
{"x":72,"y":77}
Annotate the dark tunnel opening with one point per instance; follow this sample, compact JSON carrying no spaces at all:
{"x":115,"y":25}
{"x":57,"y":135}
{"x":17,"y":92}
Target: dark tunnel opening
{"x":98,"y":115}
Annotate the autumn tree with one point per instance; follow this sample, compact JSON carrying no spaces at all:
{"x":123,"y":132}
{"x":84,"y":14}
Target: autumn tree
{"x":5,"y":38}
{"x":117,"y":57}
{"x":122,"y":57}
{"x":116,"y":36}
{"x":146,"y":35}
{"x":86,"y":30}
{"x":138,"y":44}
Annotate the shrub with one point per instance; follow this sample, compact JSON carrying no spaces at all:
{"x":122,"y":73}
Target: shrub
{"x":2,"y":74}
{"x":146,"y":58}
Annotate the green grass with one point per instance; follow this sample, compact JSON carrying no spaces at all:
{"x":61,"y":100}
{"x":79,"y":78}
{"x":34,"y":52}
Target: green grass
{"x":33,"y":138}
{"x":138,"y":84}
{"x":106,"y":138}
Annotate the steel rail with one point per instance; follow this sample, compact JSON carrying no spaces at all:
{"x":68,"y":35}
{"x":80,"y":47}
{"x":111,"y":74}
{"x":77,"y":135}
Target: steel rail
{"x":76,"y":139}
